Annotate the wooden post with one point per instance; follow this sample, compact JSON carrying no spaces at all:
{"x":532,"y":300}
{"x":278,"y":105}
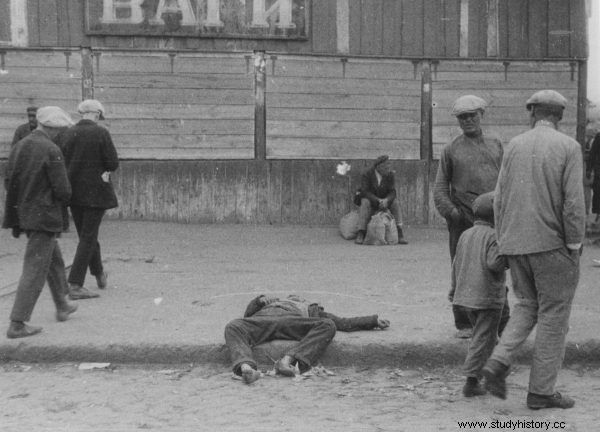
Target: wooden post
{"x":581,"y":101}
{"x":426,"y":133}
{"x":87,"y":74}
{"x":260,"y":106}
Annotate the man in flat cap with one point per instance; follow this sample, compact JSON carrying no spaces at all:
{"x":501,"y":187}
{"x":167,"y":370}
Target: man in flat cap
{"x":540,"y":224}
{"x":90,"y":156}
{"x":37,"y":189}
{"x":468,"y":167}
{"x":26,"y":128}
{"x":378,"y":192}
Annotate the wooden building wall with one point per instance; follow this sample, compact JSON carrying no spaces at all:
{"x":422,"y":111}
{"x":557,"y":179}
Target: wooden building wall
{"x":391,"y":28}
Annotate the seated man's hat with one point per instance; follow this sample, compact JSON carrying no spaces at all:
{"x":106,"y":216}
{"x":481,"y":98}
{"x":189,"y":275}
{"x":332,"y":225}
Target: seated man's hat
{"x":468,"y":104}
{"x":381,"y":159}
{"x":91,"y":105}
{"x":546,"y":97}
{"x":54,"y":117}
{"x":31,"y":110}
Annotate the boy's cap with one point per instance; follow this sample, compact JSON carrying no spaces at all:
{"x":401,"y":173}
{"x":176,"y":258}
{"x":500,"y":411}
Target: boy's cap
{"x":468,"y":104}
{"x":91,"y":105}
{"x":483,"y":206}
{"x":54,"y":117}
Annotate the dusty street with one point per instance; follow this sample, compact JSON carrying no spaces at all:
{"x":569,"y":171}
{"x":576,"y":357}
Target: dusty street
{"x":61,"y":397}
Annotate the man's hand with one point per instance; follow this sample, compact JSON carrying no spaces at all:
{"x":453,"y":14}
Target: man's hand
{"x":383,"y":323}
{"x":383,"y":203}
{"x":450,"y":297}
{"x":16,"y":232}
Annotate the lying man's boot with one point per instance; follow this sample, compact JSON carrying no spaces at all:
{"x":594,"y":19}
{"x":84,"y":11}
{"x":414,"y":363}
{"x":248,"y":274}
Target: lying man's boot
{"x":18,"y":329}
{"x":401,"y":240}
{"x":249,"y":374}
{"x":495,"y":374}
{"x":63,"y":313}
{"x":77,"y":292}
{"x":360,"y":238}
{"x":284,"y":367}
{"x":473,"y":388}
{"x":101,"y":280}
{"x":535,"y":401}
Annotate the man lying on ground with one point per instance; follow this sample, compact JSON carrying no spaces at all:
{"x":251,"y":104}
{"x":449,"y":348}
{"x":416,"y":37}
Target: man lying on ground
{"x":293,"y":318}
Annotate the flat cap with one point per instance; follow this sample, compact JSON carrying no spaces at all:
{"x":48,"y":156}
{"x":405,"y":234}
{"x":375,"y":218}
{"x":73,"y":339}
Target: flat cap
{"x":54,"y":117}
{"x":467,"y":104}
{"x":381,"y":159}
{"x":32,"y":110}
{"x":483,"y":206}
{"x":91,"y":105}
{"x":546,"y":97}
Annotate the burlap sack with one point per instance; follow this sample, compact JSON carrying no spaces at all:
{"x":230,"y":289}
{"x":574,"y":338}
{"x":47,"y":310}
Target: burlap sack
{"x":349,"y":225}
{"x":381,"y":230}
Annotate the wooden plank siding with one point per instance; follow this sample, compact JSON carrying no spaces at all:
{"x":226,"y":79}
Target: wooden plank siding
{"x":505,"y":92}
{"x":325,"y":108}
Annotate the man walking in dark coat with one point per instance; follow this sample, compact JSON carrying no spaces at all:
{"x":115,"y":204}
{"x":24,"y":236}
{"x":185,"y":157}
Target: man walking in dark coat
{"x":378,"y":192}
{"x":90,"y":156}
{"x":37,"y":189}
{"x":26,"y":128}
{"x":293,"y":318}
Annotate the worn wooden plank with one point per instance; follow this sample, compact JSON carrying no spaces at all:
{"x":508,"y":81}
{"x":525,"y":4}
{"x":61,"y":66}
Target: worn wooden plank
{"x":183,"y":141}
{"x":221,"y":64}
{"x":48,"y":22}
{"x":5,"y":18}
{"x":374,"y":87}
{"x":578,"y":42}
{"x":518,"y":14}
{"x":559,"y":28}
{"x":380,"y":69}
{"x":76,"y":18}
{"x":492,"y":28}
{"x":538,"y":28}
{"x":177,"y":111}
{"x":209,"y":80}
{"x":478,"y":30}
{"x":451,"y":23}
{"x":171,"y":126}
{"x":409,"y":114}
{"x":371,"y":27}
{"x":33,"y":27}
{"x":503,"y":30}
{"x":324,"y":26}
{"x":326,"y":129}
{"x":342,"y":26}
{"x":341,"y":101}
{"x":355,"y":18}
{"x":118,"y":94}
{"x":316,"y":68}
{"x":392,"y":28}
{"x":412,"y":28}
{"x":185,"y":154}
{"x":63,"y":23}
{"x":463,"y":49}
{"x":35,"y":59}
{"x":57,"y":91}
{"x":445,"y":98}
{"x":433,"y":32}
{"x":345,"y":148}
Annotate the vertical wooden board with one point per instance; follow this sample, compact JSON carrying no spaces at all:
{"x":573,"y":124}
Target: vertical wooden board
{"x":33,"y":22}
{"x":371,"y":27}
{"x":559,"y":28}
{"x":433,"y":34}
{"x":578,"y":17}
{"x":392,"y":27}
{"x":5,"y":32}
{"x":355,"y":26}
{"x":75,"y":15}
{"x":517,"y":28}
{"x":63,"y":23}
{"x":225,"y":197}
{"x":258,"y":172}
{"x":274,"y":191}
{"x":48,"y":23}
{"x":503,"y":29}
{"x":478,"y":28}
{"x":412,"y":28}
{"x":324,"y":26}
{"x":451,"y":25}
{"x":288,"y":213}
{"x":538,"y":28}
{"x":201,"y":199}
{"x":183,"y":193}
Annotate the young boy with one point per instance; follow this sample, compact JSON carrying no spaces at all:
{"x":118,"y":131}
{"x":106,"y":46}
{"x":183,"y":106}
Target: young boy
{"x":478,"y":287}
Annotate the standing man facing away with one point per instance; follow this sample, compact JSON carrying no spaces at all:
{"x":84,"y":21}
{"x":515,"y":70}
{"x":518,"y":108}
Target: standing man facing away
{"x":540,"y":224}
{"x":468,"y":167}
{"x":37,"y":188}
{"x":378,"y":192}
{"x":26,"y":128}
{"x":90,"y":156}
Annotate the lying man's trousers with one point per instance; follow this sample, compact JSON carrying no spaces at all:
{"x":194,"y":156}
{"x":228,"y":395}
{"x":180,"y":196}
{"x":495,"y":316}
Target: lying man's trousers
{"x":313,"y":334}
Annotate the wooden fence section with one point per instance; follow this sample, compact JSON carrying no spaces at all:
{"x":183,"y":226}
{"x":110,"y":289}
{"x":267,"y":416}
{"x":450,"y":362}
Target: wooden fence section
{"x":38,"y":79}
{"x":506,"y":88}
{"x":183,"y":106}
{"x":342,"y":108}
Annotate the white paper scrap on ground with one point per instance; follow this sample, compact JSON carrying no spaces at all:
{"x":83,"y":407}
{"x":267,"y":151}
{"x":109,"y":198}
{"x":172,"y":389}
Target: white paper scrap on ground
{"x":158,"y":300}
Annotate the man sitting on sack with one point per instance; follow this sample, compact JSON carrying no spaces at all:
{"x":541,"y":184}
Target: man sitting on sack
{"x":377,"y":193}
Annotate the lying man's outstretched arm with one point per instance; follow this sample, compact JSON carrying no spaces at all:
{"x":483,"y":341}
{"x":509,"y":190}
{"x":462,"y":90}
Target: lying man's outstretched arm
{"x":356,"y":323}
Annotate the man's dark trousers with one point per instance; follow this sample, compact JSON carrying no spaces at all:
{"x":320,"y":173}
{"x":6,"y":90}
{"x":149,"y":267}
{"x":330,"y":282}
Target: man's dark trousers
{"x":313,"y":334}
{"x":43,"y":262}
{"x":87,"y":222}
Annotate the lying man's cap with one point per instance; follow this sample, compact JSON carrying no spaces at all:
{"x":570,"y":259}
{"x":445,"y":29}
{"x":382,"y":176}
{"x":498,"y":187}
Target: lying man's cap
{"x":54,"y":117}
{"x":91,"y":105}
{"x":381,"y":159}
{"x":483,"y":206}
{"x":468,"y":104}
{"x":546,"y":97}
{"x":31,"y":110}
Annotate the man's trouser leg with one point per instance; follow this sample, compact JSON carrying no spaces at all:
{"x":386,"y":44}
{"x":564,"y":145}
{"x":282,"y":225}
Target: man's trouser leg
{"x":364,"y":214}
{"x":87,"y":222}
{"x":485,"y":335}
{"x":461,"y":320}
{"x":38,"y":255}
{"x":396,"y":212}
{"x":505,"y":315}
{"x":57,"y":280}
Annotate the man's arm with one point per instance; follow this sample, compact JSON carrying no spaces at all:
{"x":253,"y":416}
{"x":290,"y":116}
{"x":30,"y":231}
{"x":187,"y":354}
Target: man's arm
{"x":365,"y":188}
{"x":441,"y":188}
{"x":369,"y":322}
{"x":57,"y":174}
{"x":573,"y":205}
{"x":110,"y":160}
{"x":254,"y":306}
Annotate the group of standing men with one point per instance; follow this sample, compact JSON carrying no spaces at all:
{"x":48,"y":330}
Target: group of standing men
{"x":53,"y":164}
{"x":539,"y":217}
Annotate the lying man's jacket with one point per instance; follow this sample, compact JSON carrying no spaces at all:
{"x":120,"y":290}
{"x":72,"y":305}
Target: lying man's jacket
{"x":298,"y":307}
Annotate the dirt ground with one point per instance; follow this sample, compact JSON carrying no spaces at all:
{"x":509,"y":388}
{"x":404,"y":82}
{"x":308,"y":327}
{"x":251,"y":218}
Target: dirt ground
{"x":60,"y":397}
